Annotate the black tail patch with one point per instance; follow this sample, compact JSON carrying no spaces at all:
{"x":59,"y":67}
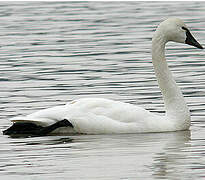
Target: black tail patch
{"x":22,"y":128}
{"x":33,"y":129}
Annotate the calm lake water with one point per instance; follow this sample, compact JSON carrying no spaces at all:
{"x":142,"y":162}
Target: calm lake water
{"x":52,"y":53}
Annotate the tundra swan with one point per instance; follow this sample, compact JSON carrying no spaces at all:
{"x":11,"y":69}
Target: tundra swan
{"x":104,"y":116}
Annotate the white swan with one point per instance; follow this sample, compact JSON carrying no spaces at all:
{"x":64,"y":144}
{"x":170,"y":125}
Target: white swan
{"x":104,"y":116}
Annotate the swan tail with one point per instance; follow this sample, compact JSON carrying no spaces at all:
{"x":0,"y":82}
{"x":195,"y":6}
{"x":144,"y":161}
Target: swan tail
{"x":22,"y":128}
{"x":30,"y":128}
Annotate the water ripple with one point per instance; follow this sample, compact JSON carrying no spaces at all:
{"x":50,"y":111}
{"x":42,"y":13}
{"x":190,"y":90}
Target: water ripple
{"x":59,"y":51}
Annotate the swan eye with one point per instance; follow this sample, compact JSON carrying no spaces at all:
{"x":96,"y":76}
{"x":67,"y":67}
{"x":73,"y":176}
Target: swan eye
{"x":184,"y":28}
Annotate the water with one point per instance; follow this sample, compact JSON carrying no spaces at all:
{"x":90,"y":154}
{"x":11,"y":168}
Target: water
{"x":52,"y":53}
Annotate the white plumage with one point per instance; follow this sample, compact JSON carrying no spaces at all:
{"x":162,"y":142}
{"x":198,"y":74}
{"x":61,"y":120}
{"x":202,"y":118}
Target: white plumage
{"x":99,"y":116}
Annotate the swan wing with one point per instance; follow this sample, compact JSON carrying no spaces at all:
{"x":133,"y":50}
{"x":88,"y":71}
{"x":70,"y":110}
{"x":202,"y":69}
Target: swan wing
{"x":104,"y":116}
{"x":115,"y":110}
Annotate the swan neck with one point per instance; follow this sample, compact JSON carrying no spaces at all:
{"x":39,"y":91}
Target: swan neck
{"x":175,"y":105}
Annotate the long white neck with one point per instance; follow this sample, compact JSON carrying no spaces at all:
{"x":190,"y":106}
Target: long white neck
{"x":175,"y":105}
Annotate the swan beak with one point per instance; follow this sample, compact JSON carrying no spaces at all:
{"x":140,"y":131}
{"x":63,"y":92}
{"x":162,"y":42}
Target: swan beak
{"x":191,"y":40}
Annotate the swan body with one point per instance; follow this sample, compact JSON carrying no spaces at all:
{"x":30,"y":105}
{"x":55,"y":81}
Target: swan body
{"x":105,"y":116}
{"x":100,"y":116}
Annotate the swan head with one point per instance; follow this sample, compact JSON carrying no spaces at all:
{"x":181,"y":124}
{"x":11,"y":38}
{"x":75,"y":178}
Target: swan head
{"x":174,"y":29}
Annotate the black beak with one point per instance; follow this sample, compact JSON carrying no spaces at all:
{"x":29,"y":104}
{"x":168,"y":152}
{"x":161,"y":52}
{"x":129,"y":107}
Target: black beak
{"x":191,"y":40}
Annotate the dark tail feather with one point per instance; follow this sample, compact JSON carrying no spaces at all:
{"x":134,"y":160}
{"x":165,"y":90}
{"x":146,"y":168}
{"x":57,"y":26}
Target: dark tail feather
{"x":22,"y":128}
{"x":33,"y":129}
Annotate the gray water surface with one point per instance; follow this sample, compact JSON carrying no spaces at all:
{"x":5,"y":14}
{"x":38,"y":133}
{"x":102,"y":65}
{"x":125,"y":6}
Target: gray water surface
{"x":54,"y":52}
